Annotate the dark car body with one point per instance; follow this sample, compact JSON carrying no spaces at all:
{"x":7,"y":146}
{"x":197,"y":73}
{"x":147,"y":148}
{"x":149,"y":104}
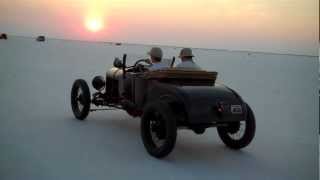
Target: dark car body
{"x":199,"y":104}
{"x":167,"y":100}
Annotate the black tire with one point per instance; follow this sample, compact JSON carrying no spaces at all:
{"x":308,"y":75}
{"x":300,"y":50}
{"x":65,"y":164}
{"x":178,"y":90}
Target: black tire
{"x":158,"y":121}
{"x":249,"y":132}
{"x":80,"y":96}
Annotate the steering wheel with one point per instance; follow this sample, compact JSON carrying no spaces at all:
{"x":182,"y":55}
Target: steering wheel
{"x":139,"y":67}
{"x":147,"y":61}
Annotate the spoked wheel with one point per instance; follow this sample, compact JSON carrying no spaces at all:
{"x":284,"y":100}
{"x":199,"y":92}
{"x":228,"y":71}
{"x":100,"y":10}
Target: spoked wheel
{"x":238,"y":135}
{"x":158,"y":129}
{"x":80,"y":99}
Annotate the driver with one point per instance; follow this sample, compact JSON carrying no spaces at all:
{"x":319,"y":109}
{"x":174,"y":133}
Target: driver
{"x":155,"y":64}
{"x":155,"y":59}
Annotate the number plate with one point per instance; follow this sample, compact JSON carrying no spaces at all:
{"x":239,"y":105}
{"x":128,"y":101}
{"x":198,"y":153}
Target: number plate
{"x":236,"y":109}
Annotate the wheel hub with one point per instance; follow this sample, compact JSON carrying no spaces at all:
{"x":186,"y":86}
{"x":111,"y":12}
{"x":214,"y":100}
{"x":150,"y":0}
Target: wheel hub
{"x":80,"y":99}
{"x":157,"y":127}
{"x":233,"y":127}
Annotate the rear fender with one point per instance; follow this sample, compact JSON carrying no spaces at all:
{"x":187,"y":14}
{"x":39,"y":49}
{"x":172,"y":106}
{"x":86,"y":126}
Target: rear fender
{"x":216,"y":104}
{"x":169,"y":93}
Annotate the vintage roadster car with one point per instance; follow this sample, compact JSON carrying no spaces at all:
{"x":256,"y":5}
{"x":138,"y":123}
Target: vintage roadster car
{"x":168,"y":100}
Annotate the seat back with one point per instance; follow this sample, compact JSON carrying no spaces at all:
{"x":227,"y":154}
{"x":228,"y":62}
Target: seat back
{"x":183,"y":77}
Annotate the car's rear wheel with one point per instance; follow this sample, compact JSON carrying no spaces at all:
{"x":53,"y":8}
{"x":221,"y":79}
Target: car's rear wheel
{"x":158,"y":129}
{"x":80,"y":99}
{"x":238,"y":135}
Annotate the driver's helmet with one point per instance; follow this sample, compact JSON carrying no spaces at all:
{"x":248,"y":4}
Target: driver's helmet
{"x":156,"y":52}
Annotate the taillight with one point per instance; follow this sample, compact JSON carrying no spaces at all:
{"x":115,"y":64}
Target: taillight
{"x":219,"y":107}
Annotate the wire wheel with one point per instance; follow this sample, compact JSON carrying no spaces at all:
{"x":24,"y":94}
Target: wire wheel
{"x":80,"y":99}
{"x":237,"y":135}
{"x":158,"y":129}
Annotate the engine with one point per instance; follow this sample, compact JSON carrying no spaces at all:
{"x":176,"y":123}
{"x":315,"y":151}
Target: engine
{"x":115,"y":73}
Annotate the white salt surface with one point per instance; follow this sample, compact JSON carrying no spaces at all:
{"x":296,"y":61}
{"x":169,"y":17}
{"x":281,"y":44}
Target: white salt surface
{"x":40,"y":139}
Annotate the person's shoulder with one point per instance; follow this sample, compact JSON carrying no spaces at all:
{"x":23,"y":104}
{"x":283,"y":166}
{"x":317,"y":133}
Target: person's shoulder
{"x":179,"y":65}
{"x":157,"y":66}
{"x":197,"y":66}
{"x":188,"y":66}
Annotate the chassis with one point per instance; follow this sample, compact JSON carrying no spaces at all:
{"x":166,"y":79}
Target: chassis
{"x":168,"y":100}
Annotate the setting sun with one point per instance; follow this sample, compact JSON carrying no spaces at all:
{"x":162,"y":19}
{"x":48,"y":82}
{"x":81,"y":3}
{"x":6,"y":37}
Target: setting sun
{"x":94,"y":25}
{"x":95,"y":15}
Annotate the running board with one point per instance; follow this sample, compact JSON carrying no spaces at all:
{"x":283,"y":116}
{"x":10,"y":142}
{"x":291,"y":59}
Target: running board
{"x":105,"y":109}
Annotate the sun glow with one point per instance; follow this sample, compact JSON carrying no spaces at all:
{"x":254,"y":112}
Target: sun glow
{"x":94,"y":24}
{"x":96,"y":15}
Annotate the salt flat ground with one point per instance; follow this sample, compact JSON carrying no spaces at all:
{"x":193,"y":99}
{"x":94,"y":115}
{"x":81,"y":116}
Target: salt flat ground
{"x":40,"y":139}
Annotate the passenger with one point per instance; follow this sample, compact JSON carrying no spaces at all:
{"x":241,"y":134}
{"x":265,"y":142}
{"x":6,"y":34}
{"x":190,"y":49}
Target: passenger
{"x":156,"y":57}
{"x":187,"y":62}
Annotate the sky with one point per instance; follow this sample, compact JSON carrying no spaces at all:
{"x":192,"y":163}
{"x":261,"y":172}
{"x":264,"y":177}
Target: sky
{"x":280,"y":26}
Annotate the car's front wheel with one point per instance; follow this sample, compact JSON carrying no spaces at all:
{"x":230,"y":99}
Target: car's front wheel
{"x":158,"y":129}
{"x":80,"y":99}
{"x":238,"y":135}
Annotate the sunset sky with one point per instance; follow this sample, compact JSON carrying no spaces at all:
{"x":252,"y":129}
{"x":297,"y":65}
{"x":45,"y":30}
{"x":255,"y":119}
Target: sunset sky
{"x":282,"y":26}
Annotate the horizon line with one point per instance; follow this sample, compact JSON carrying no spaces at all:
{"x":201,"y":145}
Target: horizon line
{"x":171,"y":46}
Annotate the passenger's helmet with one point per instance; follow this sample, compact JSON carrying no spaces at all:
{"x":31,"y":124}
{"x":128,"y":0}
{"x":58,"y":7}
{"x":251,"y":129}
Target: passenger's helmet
{"x":186,"y":52}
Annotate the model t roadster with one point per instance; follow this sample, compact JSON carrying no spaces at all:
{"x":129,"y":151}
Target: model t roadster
{"x":168,"y":100}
